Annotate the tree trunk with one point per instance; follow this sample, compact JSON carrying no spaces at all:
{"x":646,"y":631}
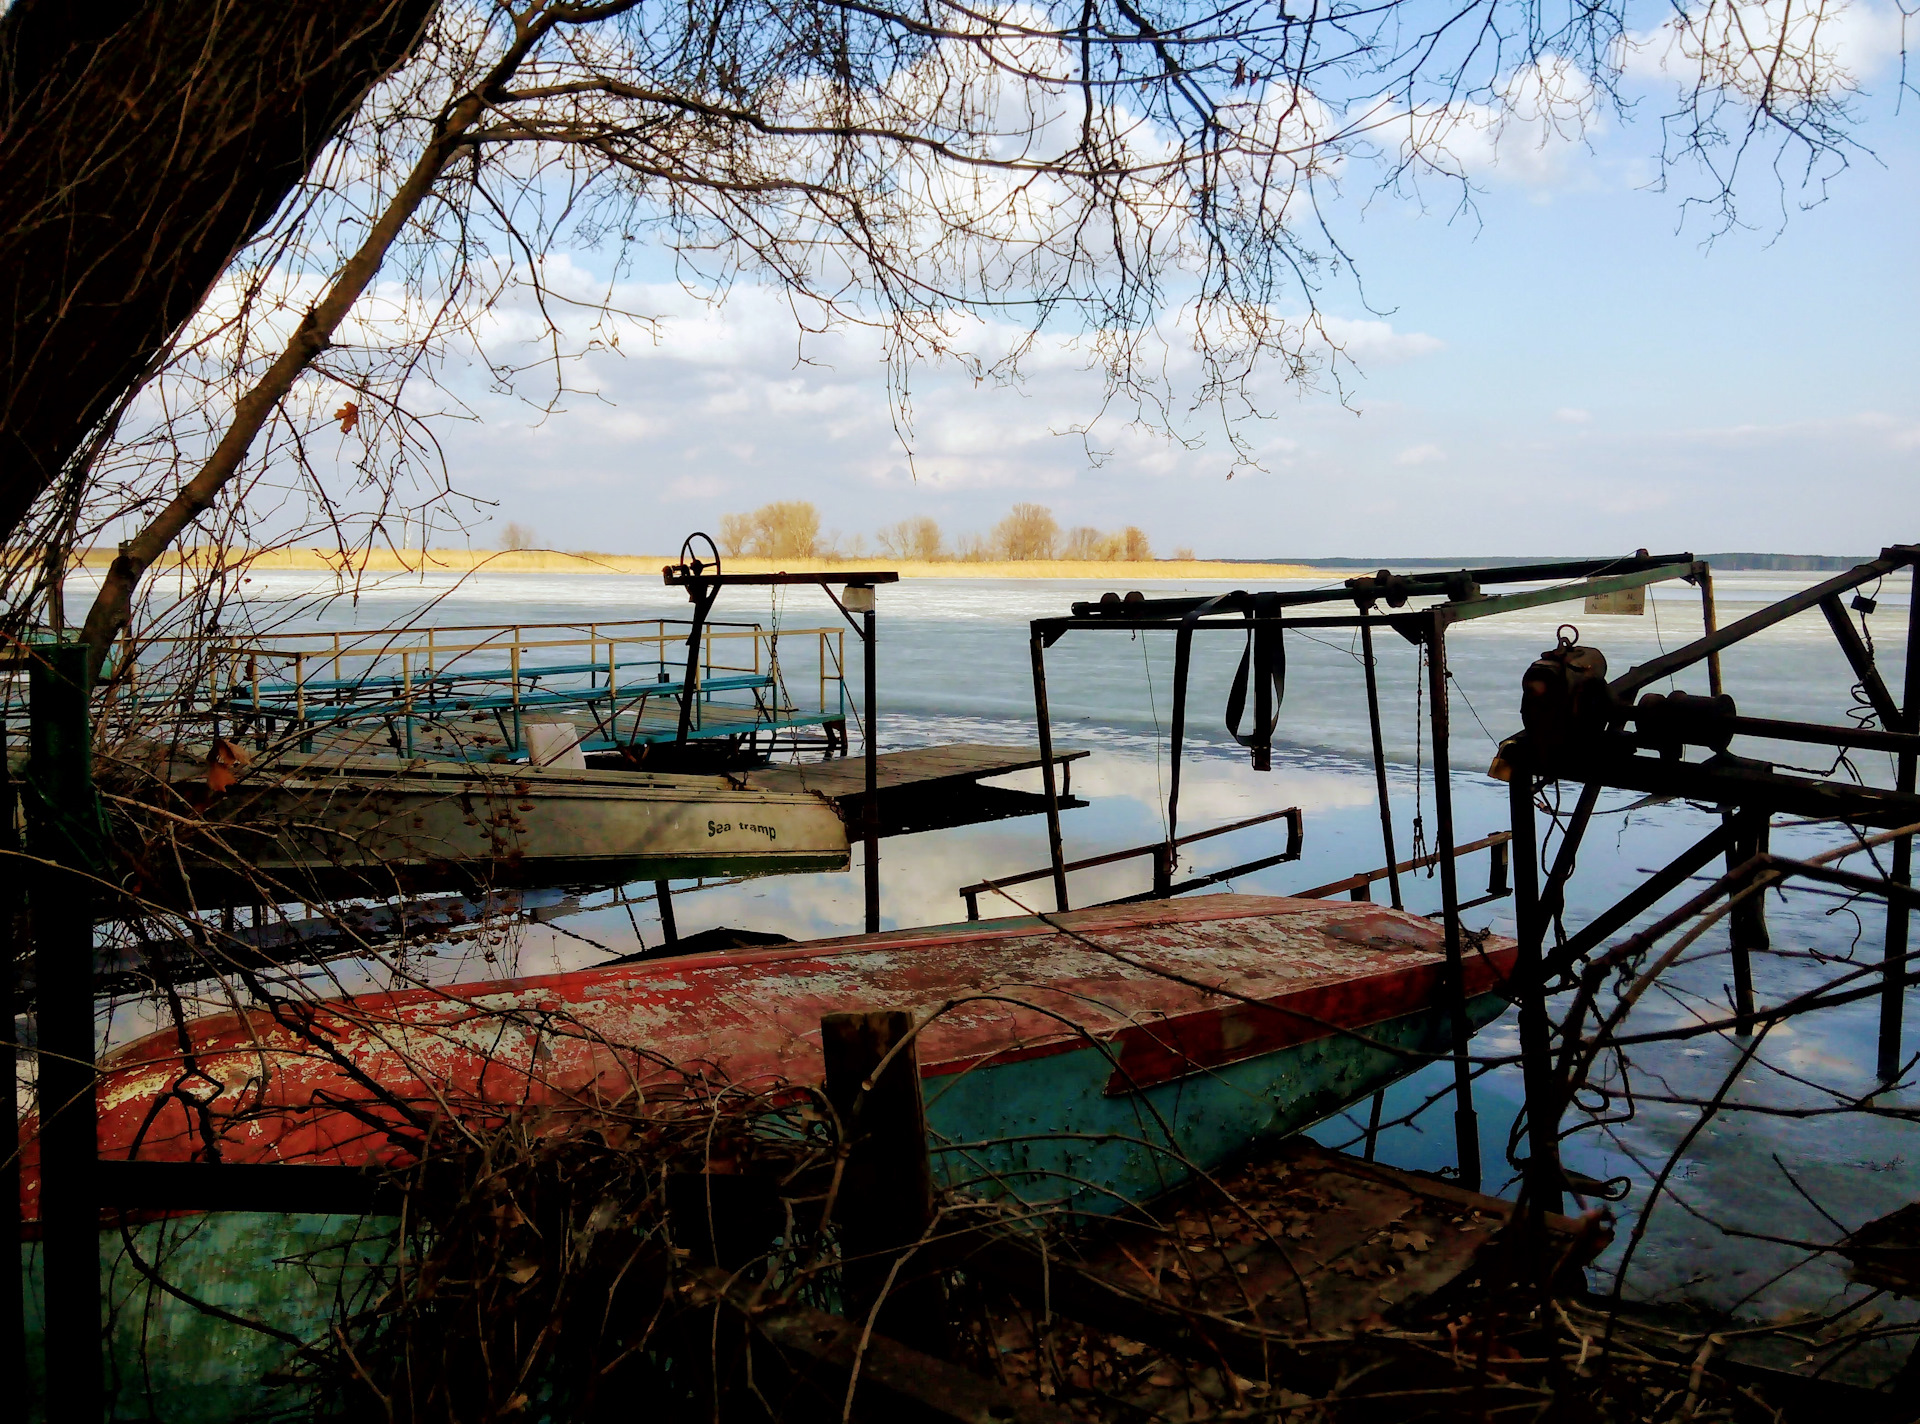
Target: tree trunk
{"x":141,"y":144}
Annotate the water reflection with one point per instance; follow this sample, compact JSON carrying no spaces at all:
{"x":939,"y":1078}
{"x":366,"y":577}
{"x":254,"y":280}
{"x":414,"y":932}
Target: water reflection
{"x":953,"y":664}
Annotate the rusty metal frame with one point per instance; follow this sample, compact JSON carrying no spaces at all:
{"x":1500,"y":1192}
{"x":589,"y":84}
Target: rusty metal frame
{"x":703,"y":582}
{"x":1462,"y":599}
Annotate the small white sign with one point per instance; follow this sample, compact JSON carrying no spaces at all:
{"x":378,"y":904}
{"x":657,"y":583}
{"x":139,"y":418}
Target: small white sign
{"x":1627,"y":600}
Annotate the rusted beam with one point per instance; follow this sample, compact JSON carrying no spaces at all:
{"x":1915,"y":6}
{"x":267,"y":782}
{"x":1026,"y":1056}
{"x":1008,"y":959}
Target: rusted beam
{"x":1644,"y":896}
{"x":1861,"y":661}
{"x":1295,"y":831}
{"x":1667,"y":664}
{"x":1419,"y":862}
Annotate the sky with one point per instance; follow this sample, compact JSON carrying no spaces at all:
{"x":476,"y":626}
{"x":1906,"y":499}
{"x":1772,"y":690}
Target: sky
{"x":1574,"y":365}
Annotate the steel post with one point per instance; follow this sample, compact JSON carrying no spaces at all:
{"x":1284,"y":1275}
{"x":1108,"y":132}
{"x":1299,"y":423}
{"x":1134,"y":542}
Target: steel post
{"x":1043,"y":719}
{"x":870,"y":808}
{"x":1894,"y":974}
{"x":1710,"y":619}
{"x":663,"y":897}
{"x":1380,"y":764}
{"x":1553,"y":899}
{"x":1747,"y":920}
{"x":1466,"y":1126}
{"x":63,"y":824}
{"x":1543,"y":1176}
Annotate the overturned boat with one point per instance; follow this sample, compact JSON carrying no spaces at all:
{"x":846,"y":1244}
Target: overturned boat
{"x":1092,"y":1059}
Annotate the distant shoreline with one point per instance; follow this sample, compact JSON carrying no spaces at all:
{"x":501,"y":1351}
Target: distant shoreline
{"x":551,"y":561}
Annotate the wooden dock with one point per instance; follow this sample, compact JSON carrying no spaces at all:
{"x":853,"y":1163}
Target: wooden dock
{"x":925,"y":788}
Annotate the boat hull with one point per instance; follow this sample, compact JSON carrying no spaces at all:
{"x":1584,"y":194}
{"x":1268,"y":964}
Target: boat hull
{"x":1090,"y":1061}
{"x":400,"y":827}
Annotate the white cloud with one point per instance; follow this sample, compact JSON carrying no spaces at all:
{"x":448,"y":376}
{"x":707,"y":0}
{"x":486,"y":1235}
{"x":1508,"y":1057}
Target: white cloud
{"x":1746,"y":47}
{"x":1530,"y":132}
{"x":1376,"y":343}
{"x":1572,"y":415}
{"x":1420,"y":455}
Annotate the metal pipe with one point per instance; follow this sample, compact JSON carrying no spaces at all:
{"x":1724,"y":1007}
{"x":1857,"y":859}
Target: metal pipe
{"x":1710,"y":617}
{"x":1043,"y":719}
{"x":1414,"y":585}
{"x":870,"y":809}
{"x":1544,"y":1180}
{"x":1893,"y":978}
{"x":663,"y":897}
{"x":1747,"y":919}
{"x":1466,"y":1127}
{"x":1380,"y":765}
{"x":1554,"y":897}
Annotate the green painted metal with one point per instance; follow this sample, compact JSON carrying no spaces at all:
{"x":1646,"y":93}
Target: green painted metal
{"x":168,"y":1360}
{"x":1465,"y":610}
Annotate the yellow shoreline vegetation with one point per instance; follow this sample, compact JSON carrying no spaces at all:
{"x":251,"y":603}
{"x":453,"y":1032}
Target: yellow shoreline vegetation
{"x":553,"y":561}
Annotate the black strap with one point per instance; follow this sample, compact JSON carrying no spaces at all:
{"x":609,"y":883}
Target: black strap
{"x":1265,"y":658}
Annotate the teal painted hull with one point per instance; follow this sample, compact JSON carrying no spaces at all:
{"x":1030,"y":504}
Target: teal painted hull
{"x":990,"y":1133}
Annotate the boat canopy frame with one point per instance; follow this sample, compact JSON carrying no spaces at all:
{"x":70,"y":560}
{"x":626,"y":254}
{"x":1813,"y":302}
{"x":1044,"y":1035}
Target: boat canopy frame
{"x":1262,"y":617}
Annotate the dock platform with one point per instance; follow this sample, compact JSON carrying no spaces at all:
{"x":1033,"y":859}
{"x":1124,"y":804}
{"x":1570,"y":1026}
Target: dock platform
{"x":925,"y":788}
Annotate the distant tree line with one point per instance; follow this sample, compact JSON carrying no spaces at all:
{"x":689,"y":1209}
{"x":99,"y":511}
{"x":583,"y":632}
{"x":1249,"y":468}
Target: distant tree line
{"x":790,"y":529}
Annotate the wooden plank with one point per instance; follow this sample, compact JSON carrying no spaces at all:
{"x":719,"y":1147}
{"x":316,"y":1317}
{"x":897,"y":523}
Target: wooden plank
{"x":915,"y":766}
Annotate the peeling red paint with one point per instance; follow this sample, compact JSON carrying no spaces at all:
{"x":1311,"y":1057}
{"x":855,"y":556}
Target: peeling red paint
{"x":1172,"y":986}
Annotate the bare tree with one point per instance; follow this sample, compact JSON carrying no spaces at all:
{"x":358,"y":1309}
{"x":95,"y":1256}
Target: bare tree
{"x":736,"y":533}
{"x":1133,"y":545}
{"x":786,"y":529}
{"x":516,"y":535}
{"x":1075,"y":171}
{"x":139,"y":148}
{"x":1028,"y":532}
{"x":1083,"y":543}
{"x":915,"y":538}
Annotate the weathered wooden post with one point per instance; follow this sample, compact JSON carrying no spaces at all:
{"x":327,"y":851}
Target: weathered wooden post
{"x":885,"y":1202}
{"x":63,"y":825}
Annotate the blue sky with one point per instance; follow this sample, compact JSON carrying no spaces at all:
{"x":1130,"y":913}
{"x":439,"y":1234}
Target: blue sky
{"x":1568,"y":368}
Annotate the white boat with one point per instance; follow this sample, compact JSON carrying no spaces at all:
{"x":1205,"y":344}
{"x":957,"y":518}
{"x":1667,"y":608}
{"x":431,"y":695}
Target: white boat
{"x":332,"y":823}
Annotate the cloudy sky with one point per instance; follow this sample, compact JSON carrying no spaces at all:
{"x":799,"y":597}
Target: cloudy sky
{"x":1571,"y":366}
